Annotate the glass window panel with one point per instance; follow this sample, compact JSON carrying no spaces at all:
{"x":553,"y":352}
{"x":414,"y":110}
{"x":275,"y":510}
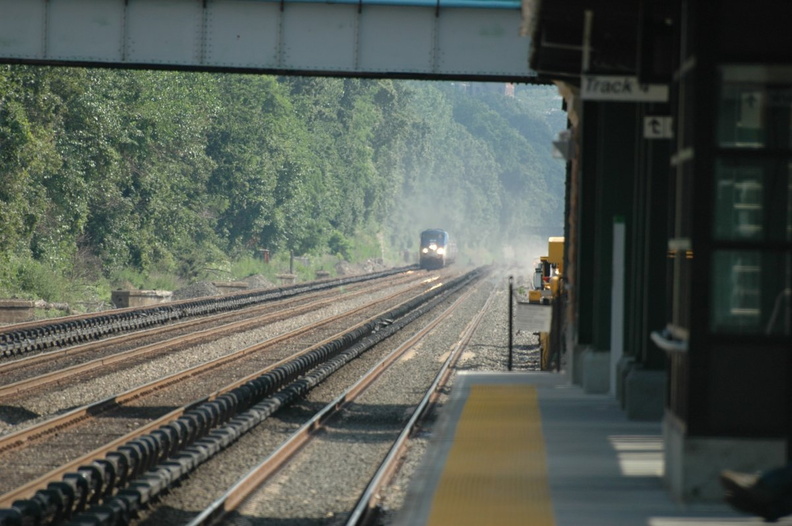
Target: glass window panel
{"x":753,"y":200}
{"x":741,"y":123}
{"x":739,"y":200}
{"x":755,"y":108}
{"x":751,"y":293}
{"x":778,"y":111}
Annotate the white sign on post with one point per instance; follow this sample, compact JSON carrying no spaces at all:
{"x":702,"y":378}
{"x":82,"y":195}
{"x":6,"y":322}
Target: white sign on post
{"x":658,"y":127}
{"x":751,"y":109}
{"x":624,"y":89}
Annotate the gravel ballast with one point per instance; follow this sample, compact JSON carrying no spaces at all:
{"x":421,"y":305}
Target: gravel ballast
{"x":323,"y":484}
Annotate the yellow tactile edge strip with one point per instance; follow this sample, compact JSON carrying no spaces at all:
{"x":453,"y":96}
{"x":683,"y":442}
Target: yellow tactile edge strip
{"x":496,"y":471}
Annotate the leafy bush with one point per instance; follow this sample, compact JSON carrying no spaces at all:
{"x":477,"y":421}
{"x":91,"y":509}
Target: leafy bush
{"x":27,"y":278}
{"x":340,"y":245}
{"x":151,"y":179}
{"x":248,"y":265}
{"x":130,"y":278}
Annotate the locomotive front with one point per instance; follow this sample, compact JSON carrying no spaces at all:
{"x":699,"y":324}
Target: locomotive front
{"x":434,"y":248}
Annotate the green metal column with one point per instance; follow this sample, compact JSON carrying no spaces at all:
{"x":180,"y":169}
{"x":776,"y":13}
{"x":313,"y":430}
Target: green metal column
{"x":586,"y":213}
{"x":647,"y":292}
{"x":613,"y":143}
{"x":655,"y":293}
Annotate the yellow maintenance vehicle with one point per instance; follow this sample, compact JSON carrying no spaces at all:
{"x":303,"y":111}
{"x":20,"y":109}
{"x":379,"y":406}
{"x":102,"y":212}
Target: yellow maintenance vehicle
{"x":548,"y":273}
{"x":547,"y":290}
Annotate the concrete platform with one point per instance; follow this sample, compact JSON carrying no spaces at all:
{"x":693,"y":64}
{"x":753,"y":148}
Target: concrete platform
{"x":589,"y":466}
{"x":16,"y":311}
{"x":230,"y":286}
{"x":139,"y":298}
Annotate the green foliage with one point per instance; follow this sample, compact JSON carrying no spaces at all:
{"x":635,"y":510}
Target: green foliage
{"x":40,"y":280}
{"x":366,"y":246}
{"x":154,"y":179}
{"x":204,"y":262}
{"x":130,"y":278}
{"x":340,"y":245}
{"x":28,"y":278}
{"x":248,"y":265}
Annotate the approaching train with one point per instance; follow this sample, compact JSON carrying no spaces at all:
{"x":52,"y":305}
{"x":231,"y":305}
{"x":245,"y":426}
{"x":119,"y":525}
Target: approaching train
{"x":437,"y":249}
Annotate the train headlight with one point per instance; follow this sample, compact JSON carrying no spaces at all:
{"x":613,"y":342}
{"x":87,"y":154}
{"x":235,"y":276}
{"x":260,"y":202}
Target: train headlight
{"x":425,"y":250}
{"x":441,"y":251}
{"x":432,"y":246}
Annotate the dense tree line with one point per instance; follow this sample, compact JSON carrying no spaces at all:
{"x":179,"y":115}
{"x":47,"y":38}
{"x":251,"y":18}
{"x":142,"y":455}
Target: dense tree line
{"x":174,"y":170}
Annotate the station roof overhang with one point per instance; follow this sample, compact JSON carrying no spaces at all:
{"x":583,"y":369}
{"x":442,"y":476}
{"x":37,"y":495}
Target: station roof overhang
{"x":570,"y":38}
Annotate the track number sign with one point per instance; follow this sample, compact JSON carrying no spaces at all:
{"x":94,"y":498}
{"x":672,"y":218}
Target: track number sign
{"x":624,"y":89}
{"x":658,"y":127}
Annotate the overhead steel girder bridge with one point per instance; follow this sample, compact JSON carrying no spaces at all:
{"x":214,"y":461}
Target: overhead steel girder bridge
{"x":429,"y":39}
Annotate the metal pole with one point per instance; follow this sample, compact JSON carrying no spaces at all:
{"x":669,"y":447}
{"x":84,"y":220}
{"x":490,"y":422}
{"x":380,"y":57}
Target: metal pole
{"x":588,"y":19}
{"x":511,"y":287}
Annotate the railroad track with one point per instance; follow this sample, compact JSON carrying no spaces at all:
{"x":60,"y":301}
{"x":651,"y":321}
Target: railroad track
{"x":70,"y":364}
{"x":63,"y":491}
{"x":30,"y":337}
{"x":304,"y":453}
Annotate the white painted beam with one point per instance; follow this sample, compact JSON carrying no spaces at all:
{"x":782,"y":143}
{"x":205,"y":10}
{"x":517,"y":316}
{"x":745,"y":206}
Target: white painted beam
{"x":344,"y":39}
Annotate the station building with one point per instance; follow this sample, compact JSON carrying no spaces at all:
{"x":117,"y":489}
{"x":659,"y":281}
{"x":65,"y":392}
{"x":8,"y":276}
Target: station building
{"x":679,"y":219}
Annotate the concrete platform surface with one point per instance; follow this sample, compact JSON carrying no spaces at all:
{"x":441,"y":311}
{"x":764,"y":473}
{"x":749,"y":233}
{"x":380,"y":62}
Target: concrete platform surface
{"x":599,"y":469}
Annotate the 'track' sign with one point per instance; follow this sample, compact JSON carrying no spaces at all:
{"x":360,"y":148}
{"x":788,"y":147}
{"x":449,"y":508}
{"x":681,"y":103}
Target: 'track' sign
{"x":625,"y":89}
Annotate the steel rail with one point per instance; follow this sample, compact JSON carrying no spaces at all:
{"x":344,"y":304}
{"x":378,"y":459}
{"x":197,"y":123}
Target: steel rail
{"x":77,"y":416}
{"x":123,"y":339}
{"x":18,"y":438}
{"x":244,"y":488}
{"x":28,"y":337}
{"x":332,"y":282}
{"x":179,"y":342}
{"x":118,"y":509}
{"x":363,"y":511}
